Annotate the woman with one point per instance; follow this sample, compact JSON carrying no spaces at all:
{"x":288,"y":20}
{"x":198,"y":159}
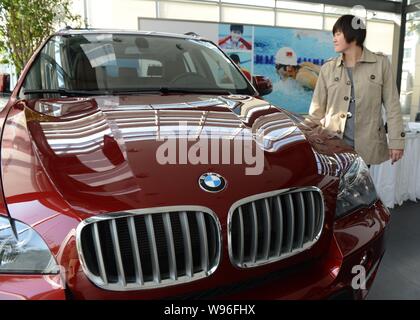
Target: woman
{"x":349,"y":94}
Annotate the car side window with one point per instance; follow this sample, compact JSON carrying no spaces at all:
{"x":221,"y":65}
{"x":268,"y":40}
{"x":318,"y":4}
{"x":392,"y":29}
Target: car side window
{"x":222,"y":75}
{"x":48,"y":71}
{"x":151,"y":68}
{"x":189,"y":64}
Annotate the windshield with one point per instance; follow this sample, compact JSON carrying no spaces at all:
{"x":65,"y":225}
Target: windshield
{"x":131,"y":62}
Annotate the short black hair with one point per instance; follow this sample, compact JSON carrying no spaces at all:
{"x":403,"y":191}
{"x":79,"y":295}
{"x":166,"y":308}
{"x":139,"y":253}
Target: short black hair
{"x":237,"y":27}
{"x":235,"y":58}
{"x":352,"y":27}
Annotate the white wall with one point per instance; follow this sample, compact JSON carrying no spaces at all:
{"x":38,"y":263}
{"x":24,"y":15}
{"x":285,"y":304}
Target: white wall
{"x":115,"y":14}
{"x":207,"y":30}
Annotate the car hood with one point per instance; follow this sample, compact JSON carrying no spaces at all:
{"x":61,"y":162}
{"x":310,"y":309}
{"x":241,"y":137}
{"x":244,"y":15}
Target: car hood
{"x":110,"y":154}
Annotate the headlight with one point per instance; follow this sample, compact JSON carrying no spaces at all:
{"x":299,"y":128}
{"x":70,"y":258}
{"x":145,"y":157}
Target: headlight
{"x":24,"y":253}
{"x":356,"y":189}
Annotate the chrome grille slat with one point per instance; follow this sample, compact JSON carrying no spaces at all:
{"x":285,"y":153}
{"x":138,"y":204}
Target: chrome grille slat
{"x":203,"y":242}
{"x":153,"y":248}
{"x":99,"y":255}
{"x":135,"y":250}
{"x":117,"y":251}
{"x":149,"y":248}
{"x":300,"y":220}
{"x":170,"y":244}
{"x":254,"y":237}
{"x":311,"y":225}
{"x":286,"y":222}
{"x":318,"y":205}
{"x":279,"y":240}
{"x":267,"y":230}
{"x":189,"y":268}
{"x":290,"y":222}
{"x":241,"y":236}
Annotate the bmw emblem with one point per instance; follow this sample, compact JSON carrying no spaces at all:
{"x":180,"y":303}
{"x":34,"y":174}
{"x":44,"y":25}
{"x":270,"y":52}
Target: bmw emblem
{"x":212,"y":182}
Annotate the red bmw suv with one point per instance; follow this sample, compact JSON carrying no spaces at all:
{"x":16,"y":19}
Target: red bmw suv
{"x":143,"y":165}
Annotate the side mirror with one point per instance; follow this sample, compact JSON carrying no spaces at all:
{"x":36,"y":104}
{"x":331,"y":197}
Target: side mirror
{"x":262,"y":84}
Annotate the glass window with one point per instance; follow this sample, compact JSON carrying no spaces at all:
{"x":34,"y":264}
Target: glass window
{"x":247,"y":15}
{"x":396,"y":18}
{"x":189,"y":11}
{"x":337,"y":10}
{"x":189,"y":64}
{"x":375,"y":40}
{"x":407,"y":53}
{"x":221,"y":73}
{"x":264,"y":3}
{"x":48,"y":70}
{"x":142,"y":8}
{"x":329,"y":22}
{"x":150,"y":68}
{"x":94,"y":62}
{"x":299,"y":20}
{"x":410,"y":77}
{"x":121,"y":14}
{"x":297,"y":5}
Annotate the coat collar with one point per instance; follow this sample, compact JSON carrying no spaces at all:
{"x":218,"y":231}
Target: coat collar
{"x":367,"y":56}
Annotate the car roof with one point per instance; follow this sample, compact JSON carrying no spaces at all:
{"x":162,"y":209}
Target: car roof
{"x":71,"y":31}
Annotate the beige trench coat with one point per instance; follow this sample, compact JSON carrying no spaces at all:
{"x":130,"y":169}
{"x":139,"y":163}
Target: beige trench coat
{"x":374,"y":85}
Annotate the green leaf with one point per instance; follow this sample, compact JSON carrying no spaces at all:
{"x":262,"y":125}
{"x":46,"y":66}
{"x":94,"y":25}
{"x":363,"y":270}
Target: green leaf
{"x":25,"y":24}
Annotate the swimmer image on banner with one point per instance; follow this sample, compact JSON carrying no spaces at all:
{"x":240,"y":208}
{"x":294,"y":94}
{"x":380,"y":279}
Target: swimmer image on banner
{"x":291,"y":58}
{"x":305,"y":73}
{"x":235,"y":37}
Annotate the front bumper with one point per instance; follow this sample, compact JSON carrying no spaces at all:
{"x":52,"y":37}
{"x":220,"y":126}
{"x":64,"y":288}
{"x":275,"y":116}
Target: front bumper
{"x":31,"y":287}
{"x":356,"y":239}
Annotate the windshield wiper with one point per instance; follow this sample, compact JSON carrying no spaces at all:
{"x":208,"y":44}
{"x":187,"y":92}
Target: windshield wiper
{"x":170,"y":90}
{"x":66,"y":92}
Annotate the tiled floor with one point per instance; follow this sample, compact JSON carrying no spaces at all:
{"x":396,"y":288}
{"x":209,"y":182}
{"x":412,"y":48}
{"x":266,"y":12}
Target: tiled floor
{"x":399,"y":273}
